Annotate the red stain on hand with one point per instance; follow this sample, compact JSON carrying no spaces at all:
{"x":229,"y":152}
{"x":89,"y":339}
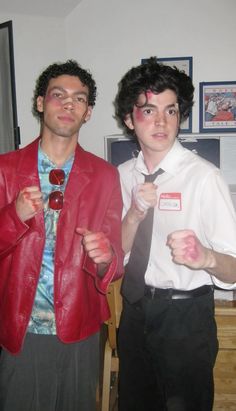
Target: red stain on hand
{"x":26,"y":195}
{"x":103,"y":246}
{"x":35,"y":205}
{"x":192,"y":249}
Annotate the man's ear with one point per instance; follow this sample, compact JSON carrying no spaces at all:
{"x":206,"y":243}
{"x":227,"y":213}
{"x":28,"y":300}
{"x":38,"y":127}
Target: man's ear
{"x":129,"y":121}
{"x":88,"y":114}
{"x":40,"y":104}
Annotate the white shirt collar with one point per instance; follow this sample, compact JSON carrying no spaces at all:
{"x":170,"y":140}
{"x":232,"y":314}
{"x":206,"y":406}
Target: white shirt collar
{"x":170,"y":163}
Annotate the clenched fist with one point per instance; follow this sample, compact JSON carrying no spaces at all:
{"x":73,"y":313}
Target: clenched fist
{"x":29,"y":202}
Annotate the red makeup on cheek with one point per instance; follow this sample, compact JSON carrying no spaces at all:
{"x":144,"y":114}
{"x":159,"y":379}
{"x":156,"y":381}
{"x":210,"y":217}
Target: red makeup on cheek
{"x":53,"y":100}
{"x":138,"y":114}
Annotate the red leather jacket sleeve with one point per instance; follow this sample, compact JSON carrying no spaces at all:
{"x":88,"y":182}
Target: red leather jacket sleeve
{"x":12,"y":229}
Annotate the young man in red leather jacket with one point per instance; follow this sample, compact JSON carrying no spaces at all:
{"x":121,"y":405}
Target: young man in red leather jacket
{"x":60,"y":212}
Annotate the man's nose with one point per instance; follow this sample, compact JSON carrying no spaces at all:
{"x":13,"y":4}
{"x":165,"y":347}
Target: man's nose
{"x":68,"y":102}
{"x":160,"y":117}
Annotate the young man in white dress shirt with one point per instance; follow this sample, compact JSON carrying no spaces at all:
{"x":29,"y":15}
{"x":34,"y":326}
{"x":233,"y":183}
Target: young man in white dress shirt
{"x":168,"y":338}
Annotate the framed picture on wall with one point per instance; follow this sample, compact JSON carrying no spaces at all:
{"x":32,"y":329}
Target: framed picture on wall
{"x":184,"y":64}
{"x":217,"y":102}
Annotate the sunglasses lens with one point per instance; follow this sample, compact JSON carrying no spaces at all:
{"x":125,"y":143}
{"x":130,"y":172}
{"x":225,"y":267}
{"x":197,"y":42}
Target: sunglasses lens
{"x":57,"y":176}
{"x":56,"y":200}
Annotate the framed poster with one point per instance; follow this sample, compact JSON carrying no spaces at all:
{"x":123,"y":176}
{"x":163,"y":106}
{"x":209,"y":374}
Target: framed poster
{"x":184,"y":64}
{"x":217,"y":102}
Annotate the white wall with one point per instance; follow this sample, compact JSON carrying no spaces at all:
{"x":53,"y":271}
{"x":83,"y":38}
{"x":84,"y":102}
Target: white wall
{"x":38,"y":41}
{"x":110,"y":36}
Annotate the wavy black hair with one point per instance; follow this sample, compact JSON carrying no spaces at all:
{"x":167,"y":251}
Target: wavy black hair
{"x":71,"y":68}
{"x":156,"y":77}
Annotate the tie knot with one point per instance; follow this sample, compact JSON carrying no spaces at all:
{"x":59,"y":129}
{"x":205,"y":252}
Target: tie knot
{"x":149,"y":178}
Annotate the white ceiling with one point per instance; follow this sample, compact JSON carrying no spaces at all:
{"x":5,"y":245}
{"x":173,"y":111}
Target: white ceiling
{"x":49,"y":8}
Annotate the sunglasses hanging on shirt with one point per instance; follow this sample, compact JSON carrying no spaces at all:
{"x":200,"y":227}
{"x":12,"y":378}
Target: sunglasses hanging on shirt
{"x":56,"y":197}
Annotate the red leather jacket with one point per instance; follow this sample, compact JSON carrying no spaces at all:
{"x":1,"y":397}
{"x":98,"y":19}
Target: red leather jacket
{"x":92,"y":200}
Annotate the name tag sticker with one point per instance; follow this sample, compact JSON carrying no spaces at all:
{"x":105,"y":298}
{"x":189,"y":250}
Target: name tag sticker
{"x":170,"y":201}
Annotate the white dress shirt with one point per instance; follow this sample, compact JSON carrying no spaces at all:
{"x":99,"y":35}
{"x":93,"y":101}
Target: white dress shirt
{"x":191,"y":195}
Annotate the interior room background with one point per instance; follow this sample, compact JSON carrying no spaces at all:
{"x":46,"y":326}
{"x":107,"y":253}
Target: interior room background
{"x":108,"y":37}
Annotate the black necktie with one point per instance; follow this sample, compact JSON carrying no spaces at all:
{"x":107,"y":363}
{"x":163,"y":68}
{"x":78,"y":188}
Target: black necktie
{"x":133,"y":283}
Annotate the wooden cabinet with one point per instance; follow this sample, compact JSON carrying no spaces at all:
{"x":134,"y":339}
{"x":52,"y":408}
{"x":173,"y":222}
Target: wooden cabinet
{"x":225,"y":368}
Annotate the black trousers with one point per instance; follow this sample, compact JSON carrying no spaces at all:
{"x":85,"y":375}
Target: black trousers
{"x":167,"y":351}
{"x":50,"y":376}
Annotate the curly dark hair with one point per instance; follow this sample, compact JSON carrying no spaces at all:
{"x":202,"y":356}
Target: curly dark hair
{"x":156,"y":77}
{"x":71,"y":68}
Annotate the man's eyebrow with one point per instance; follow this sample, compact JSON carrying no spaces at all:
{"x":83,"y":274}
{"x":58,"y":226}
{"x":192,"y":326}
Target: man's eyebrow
{"x":149,"y":105}
{"x":85,"y":93}
{"x":172,"y":105}
{"x":146,"y":104}
{"x":156,"y":106}
{"x":56,"y":88}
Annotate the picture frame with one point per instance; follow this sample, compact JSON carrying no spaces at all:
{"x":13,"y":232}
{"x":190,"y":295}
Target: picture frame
{"x":217,"y":106}
{"x":184,"y":64}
